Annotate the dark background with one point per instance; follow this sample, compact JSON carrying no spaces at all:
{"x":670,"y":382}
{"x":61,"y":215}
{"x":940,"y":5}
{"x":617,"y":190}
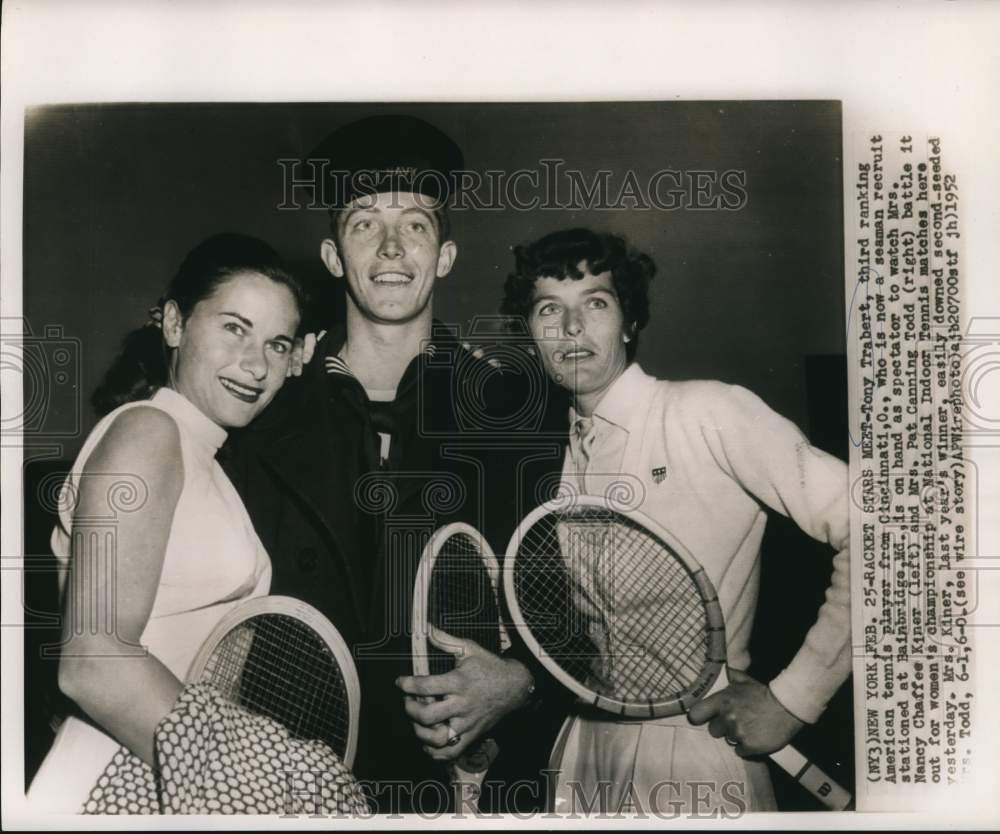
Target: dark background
{"x":115,"y":195}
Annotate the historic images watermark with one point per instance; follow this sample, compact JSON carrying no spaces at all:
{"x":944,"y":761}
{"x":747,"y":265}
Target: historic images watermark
{"x":315,"y":185}
{"x":666,"y":799}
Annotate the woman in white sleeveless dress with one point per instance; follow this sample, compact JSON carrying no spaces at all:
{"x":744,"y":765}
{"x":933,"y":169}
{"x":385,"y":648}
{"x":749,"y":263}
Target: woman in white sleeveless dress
{"x":157,"y":542}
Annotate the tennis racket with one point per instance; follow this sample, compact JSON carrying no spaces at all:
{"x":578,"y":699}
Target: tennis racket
{"x":456,"y":591}
{"x":279,"y":657}
{"x":620,"y":612}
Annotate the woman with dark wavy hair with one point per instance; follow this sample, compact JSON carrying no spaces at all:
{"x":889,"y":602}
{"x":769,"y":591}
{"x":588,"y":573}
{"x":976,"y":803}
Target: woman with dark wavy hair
{"x":139,"y":604}
{"x":701,"y":458}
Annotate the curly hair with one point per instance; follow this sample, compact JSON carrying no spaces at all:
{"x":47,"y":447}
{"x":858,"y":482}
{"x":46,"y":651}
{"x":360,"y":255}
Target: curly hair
{"x":559,"y":254}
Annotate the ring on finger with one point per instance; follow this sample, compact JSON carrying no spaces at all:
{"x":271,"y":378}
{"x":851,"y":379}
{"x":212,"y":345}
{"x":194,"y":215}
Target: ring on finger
{"x":453,"y":737}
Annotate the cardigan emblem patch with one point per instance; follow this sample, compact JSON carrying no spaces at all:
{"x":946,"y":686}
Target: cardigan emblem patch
{"x":659,"y":474}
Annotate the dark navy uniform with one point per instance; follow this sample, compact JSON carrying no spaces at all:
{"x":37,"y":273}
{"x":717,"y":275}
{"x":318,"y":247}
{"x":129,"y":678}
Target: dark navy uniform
{"x":345,"y":525}
{"x":345,"y":492}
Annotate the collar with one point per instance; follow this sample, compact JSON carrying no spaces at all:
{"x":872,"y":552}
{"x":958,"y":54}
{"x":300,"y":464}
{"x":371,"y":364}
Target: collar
{"x":334,"y":364}
{"x":442,"y":342}
{"x":618,"y":405}
{"x":205,"y":430}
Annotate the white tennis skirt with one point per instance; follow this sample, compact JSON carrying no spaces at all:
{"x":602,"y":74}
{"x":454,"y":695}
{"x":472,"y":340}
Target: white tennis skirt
{"x":662,"y":767}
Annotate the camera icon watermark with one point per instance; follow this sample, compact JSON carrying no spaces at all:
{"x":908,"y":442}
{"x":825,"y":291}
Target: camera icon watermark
{"x":497,"y":385}
{"x":46,"y":368}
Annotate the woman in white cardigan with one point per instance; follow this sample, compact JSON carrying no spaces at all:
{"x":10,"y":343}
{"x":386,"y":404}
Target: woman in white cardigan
{"x":701,"y":458}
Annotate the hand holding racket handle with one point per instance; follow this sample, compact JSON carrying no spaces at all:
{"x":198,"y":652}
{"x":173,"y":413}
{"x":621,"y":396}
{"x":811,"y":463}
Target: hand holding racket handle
{"x":457,"y":621}
{"x":746,"y":713}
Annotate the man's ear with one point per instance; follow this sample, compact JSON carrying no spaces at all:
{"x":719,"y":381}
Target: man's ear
{"x":330,"y":256}
{"x":173,"y":324}
{"x":446,"y":258}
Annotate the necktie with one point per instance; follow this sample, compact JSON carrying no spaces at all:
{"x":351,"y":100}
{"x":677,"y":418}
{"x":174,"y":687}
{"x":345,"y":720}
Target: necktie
{"x":384,"y":425}
{"x":584,"y":435}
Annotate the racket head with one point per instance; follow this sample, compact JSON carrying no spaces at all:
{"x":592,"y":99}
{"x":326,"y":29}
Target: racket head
{"x":615,"y":607}
{"x":251,"y":653}
{"x":455,"y":591}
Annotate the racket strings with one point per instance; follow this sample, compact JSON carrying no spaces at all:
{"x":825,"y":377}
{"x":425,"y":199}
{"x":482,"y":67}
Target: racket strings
{"x":661,"y":618}
{"x":611,"y":605}
{"x":275,"y":665}
{"x":461,"y":599}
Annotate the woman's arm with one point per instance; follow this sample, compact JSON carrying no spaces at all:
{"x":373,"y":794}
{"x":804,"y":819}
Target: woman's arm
{"x":772,"y":460}
{"x":113,"y":580}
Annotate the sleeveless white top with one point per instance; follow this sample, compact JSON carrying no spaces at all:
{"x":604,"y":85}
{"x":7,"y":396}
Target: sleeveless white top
{"x":213,"y":561}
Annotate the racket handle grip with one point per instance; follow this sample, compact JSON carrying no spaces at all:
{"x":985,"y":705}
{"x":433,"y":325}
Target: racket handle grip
{"x":812,"y":778}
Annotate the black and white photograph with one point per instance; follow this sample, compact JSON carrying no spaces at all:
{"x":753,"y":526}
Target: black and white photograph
{"x":394,"y":454}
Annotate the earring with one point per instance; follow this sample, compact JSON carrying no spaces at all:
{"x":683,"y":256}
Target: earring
{"x":625,"y":338}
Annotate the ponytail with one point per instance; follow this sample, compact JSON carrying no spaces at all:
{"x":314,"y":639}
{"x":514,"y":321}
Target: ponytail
{"x":136,"y":373}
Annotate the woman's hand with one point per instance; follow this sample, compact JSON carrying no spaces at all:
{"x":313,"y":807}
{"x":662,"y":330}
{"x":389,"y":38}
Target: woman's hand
{"x":748,"y":715}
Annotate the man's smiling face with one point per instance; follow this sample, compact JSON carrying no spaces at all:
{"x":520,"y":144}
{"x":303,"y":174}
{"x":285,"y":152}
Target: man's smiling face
{"x":389,"y":252}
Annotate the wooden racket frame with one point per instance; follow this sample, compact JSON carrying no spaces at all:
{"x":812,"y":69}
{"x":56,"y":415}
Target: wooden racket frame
{"x":421,"y":588}
{"x":803,"y":771}
{"x":306,"y":614}
{"x":715,"y":624}
{"x":465,"y":775}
